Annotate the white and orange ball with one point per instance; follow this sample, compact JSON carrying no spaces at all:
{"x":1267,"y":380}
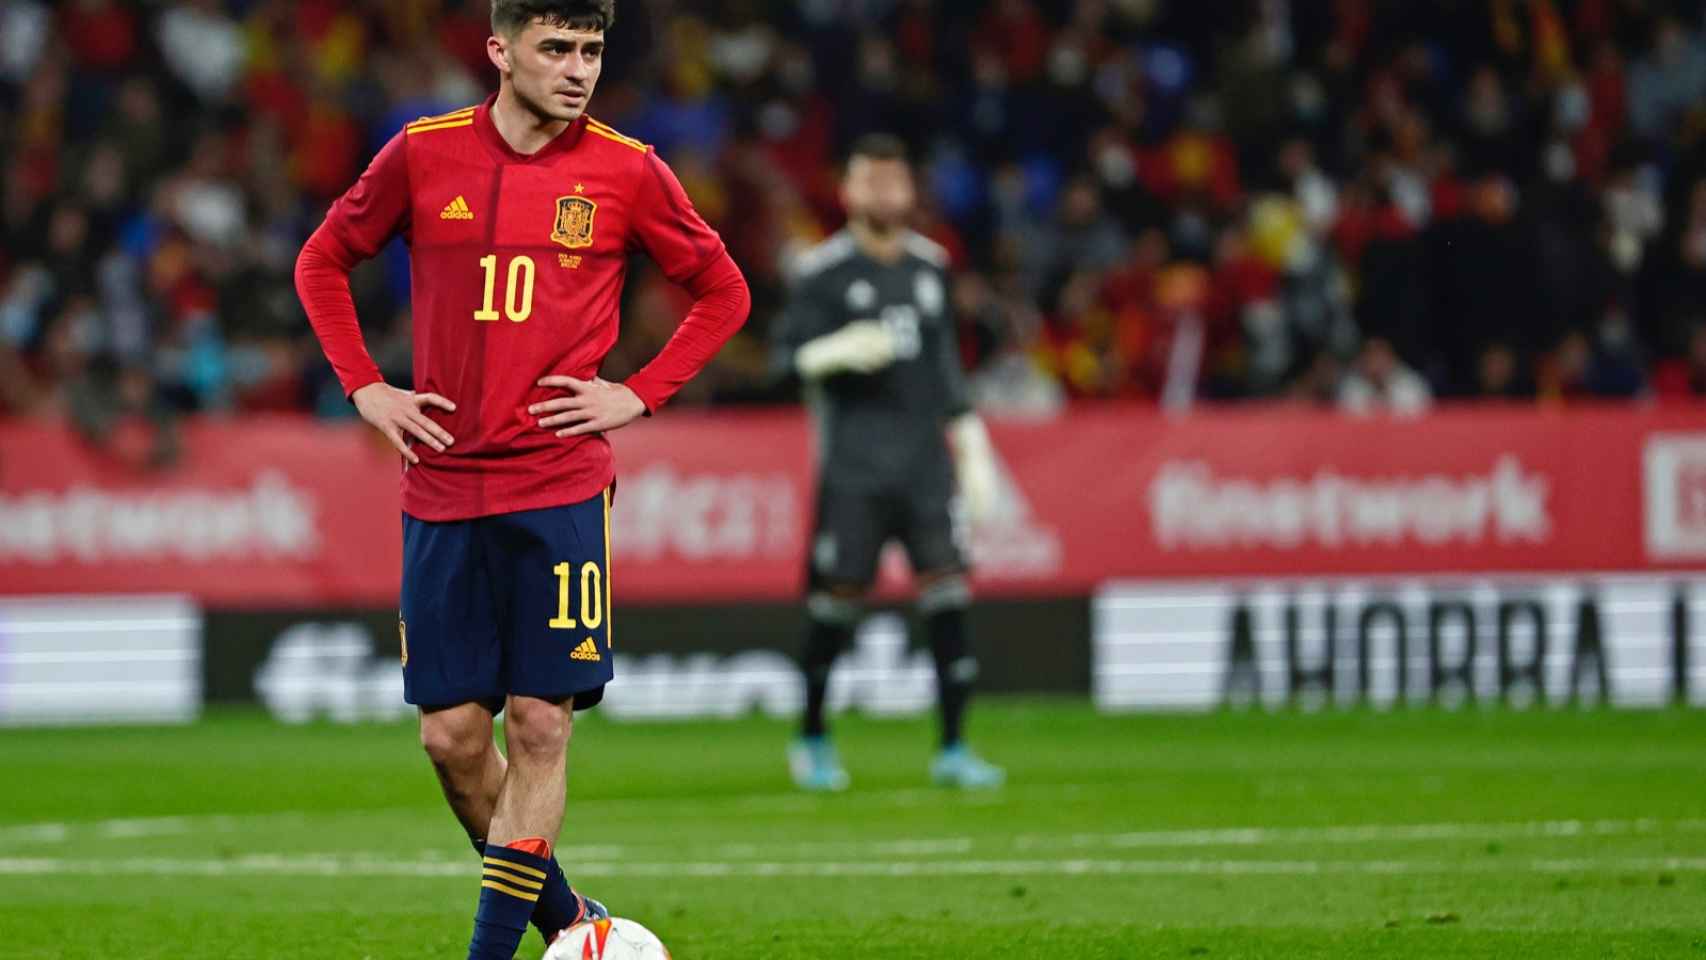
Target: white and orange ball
{"x":613,"y":939}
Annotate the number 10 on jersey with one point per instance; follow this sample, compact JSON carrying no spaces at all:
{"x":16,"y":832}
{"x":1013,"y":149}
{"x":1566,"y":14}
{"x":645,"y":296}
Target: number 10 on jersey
{"x":592,"y":596}
{"x":518,"y":291}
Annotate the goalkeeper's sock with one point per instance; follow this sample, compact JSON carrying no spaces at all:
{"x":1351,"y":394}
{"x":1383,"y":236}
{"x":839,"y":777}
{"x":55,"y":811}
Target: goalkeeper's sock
{"x":511,"y":885}
{"x":956,"y":669}
{"x":824,"y":642}
{"x":558,"y":907}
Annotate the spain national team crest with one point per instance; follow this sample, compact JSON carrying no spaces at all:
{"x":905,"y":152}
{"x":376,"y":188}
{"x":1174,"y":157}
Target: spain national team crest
{"x":574,"y":222}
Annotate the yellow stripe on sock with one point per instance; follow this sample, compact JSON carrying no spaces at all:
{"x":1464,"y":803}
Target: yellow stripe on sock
{"x":517,"y":879}
{"x":493,"y":884}
{"x":518,"y":868}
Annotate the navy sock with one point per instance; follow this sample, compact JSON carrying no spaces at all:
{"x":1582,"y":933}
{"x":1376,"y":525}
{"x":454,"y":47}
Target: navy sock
{"x":955,"y":670}
{"x":824,"y":642}
{"x":558,"y":907}
{"x":510,"y":887}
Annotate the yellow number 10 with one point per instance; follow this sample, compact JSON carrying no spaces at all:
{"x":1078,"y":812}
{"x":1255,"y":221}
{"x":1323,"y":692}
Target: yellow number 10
{"x":519,"y":288}
{"x":592,"y":596}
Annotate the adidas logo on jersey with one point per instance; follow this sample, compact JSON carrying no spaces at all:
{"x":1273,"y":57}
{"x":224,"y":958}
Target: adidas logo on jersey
{"x":456,"y":210}
{"x":586,"y":651}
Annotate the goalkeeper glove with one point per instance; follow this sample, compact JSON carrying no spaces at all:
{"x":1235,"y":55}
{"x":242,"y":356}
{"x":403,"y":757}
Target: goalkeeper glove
{"x":974,"y":465}
{"x":863,"y":346}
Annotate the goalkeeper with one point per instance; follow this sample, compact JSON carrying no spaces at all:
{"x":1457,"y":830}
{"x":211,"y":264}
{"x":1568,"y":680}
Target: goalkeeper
{"x":869,"y":331}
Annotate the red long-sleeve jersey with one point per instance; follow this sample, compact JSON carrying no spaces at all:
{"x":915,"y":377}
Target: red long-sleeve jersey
{"x":517,"y":264}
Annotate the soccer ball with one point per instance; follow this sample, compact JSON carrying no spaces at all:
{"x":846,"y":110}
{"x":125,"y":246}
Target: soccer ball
{"x":613,"y":939}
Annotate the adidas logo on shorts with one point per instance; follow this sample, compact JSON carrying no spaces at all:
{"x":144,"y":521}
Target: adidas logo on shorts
{"x":586,"y":651}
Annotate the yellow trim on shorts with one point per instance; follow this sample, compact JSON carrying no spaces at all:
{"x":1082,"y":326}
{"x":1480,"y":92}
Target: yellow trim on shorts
{"x":609,"y":611}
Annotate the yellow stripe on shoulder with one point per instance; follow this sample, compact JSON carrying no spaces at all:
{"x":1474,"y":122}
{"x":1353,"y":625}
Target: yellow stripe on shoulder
{"x":445,"y":125}
{"x":452,"y":115}
{"x":609,"y":133}
{"x":607,"y":128}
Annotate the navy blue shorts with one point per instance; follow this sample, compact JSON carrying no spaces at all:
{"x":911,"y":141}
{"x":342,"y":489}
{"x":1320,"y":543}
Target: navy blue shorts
{"x":517,"y":603}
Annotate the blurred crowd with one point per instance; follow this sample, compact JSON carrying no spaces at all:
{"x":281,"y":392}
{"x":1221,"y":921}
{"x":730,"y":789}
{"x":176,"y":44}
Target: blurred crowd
{"x":1368,"y":204}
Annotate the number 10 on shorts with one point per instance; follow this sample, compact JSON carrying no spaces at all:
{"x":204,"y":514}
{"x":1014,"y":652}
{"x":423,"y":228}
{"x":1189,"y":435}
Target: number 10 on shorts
{"x":592,"y":596}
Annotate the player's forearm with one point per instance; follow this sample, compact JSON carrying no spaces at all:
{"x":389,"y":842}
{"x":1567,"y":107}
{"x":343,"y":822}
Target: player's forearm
{"x":322,"y":282}
{"x":721,"y":304}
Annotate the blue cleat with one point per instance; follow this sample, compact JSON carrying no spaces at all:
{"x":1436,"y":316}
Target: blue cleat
{"x":957,"y":766}
{"x":593,"y":910}
{"x":814,"y":765}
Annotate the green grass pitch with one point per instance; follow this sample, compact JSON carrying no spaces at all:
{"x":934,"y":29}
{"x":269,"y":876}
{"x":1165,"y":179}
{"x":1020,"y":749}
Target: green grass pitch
{"x":1407,"y":834}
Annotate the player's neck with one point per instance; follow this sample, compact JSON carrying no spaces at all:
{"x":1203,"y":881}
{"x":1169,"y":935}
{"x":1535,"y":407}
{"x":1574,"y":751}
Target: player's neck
{"x":884,"y":245}
{"x":525,"y":131}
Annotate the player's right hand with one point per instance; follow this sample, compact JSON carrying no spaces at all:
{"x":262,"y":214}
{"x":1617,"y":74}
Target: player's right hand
{"x":863,"y":346}
{"x":400,"y":415}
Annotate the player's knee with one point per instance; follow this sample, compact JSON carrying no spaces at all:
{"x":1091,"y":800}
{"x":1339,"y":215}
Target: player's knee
{"x":840,"y":607}
{"x":537,"y":728}
{"x":950,"y":591}
{"x":453,"y":741}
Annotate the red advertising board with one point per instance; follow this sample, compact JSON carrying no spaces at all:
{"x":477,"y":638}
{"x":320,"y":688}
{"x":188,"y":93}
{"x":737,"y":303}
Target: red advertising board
{"x":287,"y":512}
{"x":259,"y":512}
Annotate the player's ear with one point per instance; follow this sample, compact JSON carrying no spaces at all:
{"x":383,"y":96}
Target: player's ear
{"x":846,"y":194}
{"x":497,"y":51}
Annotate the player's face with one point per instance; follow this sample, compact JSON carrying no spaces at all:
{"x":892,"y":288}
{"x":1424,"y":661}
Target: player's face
{"x":878,"y":192}
{"x":552,"y":69}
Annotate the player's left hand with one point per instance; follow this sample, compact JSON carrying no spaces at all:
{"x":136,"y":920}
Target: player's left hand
{"x":592,"y":406}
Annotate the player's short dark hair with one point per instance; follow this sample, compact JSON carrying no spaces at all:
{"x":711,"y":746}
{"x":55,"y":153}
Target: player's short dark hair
{"x":509,"y":17}
{"x":879,"y":146}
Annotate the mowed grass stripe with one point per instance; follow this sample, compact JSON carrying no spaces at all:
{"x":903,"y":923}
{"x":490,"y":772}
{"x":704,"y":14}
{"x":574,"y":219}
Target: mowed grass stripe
{"x":296,"y":866}
{"x":1282,"y":836}
{"x":1249,"y":836}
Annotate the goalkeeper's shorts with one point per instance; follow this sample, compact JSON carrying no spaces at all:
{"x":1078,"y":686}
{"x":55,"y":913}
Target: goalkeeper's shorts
{"x":853,"y":526}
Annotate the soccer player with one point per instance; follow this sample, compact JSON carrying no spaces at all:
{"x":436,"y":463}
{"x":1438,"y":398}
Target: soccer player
{"x":519,"y":214}
{"x":869,"y":330}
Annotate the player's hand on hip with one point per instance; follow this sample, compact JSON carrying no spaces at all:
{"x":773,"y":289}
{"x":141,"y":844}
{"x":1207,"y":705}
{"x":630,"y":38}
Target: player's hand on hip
{"x":592,"y":406}
{"x":401,"y":416}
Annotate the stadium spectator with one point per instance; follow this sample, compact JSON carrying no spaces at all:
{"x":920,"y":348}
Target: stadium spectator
{"x":1380,"y":382}
{"x":1684,"y":378}
{"x":1168,"y":199}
